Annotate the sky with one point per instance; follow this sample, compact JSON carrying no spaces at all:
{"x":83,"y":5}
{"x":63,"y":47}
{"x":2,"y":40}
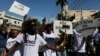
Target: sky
{"x":48,"y":8}
{"x":38,"y":8}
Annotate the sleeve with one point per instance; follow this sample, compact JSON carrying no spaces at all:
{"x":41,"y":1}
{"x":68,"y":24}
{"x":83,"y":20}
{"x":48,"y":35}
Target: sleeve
{"x":42,"y":41}
{"x":19,"y":38}
{"x":7,"y":44}
{"x":43,"y":34}
{"x":95,"y":32}
{"x":96,"y":37}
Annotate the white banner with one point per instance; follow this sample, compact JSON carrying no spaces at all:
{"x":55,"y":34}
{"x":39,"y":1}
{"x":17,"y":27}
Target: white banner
{"x":87,"y":27}
{"x":58,"y":26}
{"x":19,"y":8}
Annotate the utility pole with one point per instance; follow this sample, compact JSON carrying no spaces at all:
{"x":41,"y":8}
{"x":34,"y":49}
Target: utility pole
{"x":81,"y":14}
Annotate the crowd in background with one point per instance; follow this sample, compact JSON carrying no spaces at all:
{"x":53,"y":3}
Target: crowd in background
{"x":30,"y":41}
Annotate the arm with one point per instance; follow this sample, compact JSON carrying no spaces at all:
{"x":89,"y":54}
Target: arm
{"x":44,"y":43}
{"x":54,"y":48}
{"x":13,"y":48}
{"x":65,"y":39}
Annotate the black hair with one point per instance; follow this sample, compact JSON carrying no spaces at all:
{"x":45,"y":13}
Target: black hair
{"x":27,"y":26}
{"x":48,"y":26}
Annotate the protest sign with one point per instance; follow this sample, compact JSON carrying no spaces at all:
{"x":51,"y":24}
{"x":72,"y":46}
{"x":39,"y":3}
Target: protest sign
{"x":19,"y":8}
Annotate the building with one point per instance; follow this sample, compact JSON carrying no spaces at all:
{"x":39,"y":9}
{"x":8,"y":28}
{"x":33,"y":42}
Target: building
{"x":13,"y":21}
{"x":96,"y":15}
{"x":79,"y":14}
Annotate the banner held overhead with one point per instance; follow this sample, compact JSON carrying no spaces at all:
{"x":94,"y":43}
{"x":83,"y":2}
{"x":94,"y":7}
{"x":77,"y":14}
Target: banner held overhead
{"x":58,"y":27}
{"x":19,"y":8}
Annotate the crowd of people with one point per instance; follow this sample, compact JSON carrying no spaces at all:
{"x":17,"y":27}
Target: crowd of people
{"x":31,"y":41}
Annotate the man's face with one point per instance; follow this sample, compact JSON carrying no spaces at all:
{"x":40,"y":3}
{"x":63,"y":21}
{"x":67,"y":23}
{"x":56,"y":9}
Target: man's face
{"x":29,"y":26}
{"x":4,"y":28}
{"x":15,"y":33}
{"x":48,"y":30}
{"x":32,"y":28}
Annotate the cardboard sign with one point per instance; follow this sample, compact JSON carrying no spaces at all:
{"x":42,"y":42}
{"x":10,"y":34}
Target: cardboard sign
{"x":19,"y":8}
{"x":59,"y":24}
{"x":87,"y":27}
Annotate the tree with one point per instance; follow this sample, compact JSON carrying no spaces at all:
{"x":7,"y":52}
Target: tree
{"x":62,"y":4}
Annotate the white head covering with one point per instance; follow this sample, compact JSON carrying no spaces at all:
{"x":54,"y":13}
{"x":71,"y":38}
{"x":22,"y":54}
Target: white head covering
{"x":95,"y":32}
{"x":78,"y":41}
{"x":15,"y":28}
{"x":76,"y":32}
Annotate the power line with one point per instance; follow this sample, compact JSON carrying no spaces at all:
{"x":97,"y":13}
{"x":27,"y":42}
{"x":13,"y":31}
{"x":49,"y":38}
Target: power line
{"x":94,"y":3}
{"x":81,"y":4}
{"x":78,"y":4}
{"x":70,"y":3}
{"x":98,"y":3}
{"x":87,"y":6}
{"x":74,"y":4}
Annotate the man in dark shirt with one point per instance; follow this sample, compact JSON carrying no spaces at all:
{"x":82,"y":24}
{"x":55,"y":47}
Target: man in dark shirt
{"x":4,"y":30}
{"x":97,"y":42}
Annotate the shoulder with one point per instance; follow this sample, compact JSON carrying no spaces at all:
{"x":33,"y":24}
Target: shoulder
{"x":53,"y":34}
{"x":38,"y":36}
{"x":43,"y":33}
{"x":20,"y":35}
{"x":9,"y":39}
{"x":97,"y":34}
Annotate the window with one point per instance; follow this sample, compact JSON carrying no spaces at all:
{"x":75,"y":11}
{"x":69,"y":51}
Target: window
{"x":15,"y":22}
{"x":7,"y":20}
{"x":18,"y":22}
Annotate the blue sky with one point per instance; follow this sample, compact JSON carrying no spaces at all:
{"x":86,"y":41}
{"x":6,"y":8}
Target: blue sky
{"x":84,"y":4}
{"x":39,"y":8}
{"x":48,"y":8}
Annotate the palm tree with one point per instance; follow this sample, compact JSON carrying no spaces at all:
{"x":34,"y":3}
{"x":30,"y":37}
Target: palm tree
{"x":62,"y":4}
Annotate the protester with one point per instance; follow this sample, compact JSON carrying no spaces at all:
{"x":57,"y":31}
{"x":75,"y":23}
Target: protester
{"x":3,"y":36}
{"x":97,"y":42}
{"x":50,"y":38}
{"x":42,"y":29}
{"x":89,"y":46}
{"x":63,"y":42}
{"x":12,"y":40}
{"x":4,"y":30}
{"x":30,"y":39}
{"x":2,"y":45}
{"x":79,"y":44}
